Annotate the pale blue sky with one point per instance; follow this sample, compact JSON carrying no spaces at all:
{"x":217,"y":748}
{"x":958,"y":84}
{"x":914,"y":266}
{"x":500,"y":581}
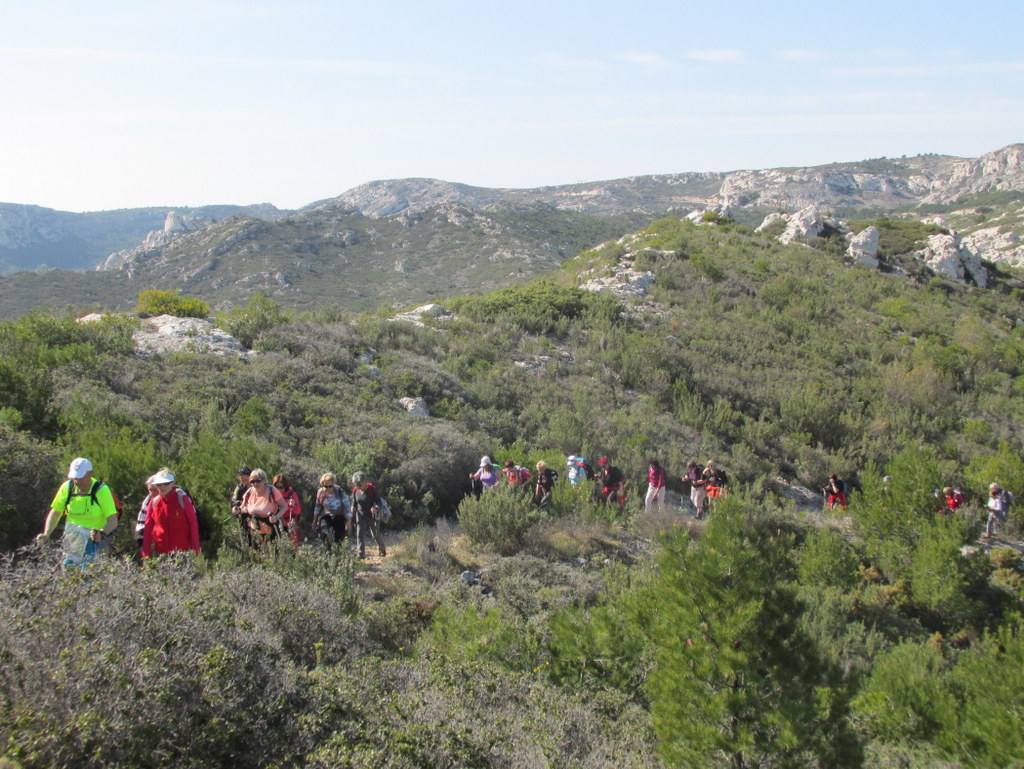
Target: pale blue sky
{"x":114,"y":104}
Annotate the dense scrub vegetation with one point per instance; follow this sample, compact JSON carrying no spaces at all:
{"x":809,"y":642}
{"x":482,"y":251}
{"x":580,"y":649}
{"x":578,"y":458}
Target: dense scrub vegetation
{"x":575,"y":636}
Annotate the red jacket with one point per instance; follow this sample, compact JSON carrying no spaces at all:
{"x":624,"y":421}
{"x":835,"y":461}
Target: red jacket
{"x":171,"y":525}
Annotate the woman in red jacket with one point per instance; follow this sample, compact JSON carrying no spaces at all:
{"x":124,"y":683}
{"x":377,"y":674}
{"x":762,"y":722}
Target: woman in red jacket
{"x":171,"y":523}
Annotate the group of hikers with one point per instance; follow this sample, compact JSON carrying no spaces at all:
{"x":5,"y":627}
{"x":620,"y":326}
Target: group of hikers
{"x":268,"y":511}
{"x":704,"y":482}
{"x":948,"y":500}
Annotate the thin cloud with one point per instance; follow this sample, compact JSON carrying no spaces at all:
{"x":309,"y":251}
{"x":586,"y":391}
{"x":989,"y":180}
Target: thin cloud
{"x":641,"y":58}
{"x":559,"y":61}
{"x":80,"y":53}
{"x":330,"y":66}
{"x":798,"y":54}
{"x":716,"y":55}
{"x":932,"y":70}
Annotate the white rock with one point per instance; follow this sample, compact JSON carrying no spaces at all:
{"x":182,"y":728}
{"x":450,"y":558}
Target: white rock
{"x":415,"y":406}
{"x":770,"y":220}
{"x":430,"y":311}
{"x":945,"y":255}
{"x":167,"y":333}
{"x":805,"y":223}
{"x":864,"y":247}
{"x":996,"y":245}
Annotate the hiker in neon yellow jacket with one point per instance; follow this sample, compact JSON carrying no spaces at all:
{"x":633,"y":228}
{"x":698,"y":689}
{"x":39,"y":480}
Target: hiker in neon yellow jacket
{"x":92,"y":515}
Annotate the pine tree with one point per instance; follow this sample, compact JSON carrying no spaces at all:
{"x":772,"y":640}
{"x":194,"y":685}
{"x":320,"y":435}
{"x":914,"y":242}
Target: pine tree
{"x":736,"y":683}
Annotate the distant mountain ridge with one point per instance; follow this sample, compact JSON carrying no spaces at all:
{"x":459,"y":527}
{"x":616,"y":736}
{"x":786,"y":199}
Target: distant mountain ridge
{"x":33,"y":237}
{"x":884,"y":183}
{"x":406,"y":241}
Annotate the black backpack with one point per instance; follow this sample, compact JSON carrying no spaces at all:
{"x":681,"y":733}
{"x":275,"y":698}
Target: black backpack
{"x":202,"y":519}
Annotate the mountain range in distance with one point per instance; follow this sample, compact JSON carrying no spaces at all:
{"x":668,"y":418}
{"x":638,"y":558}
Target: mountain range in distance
{"x":405,"y":241}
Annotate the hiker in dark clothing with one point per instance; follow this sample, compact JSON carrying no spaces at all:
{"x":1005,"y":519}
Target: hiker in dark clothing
{"x":714,"y":482}
{"x":243,"y":485}
{"x":613,"y":483}
{"x":698,"y":491}
{"x":835,"y":493}
{"x":365,"y":499}
{"x":546,"y":478}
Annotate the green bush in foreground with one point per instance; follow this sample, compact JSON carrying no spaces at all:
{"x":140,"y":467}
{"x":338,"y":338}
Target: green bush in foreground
{"x":499,"y":519}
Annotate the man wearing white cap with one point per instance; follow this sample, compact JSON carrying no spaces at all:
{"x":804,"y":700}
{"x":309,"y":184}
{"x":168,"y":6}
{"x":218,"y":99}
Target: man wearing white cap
{"x":92,"y":515}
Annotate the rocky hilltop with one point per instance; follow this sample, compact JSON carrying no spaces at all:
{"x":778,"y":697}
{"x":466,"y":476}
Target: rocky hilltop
{"x":405,"y":241}
{"x":883,"y":184}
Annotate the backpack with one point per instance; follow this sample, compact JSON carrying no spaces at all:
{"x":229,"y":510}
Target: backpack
{"x":383,"y":512}
{"x":587,"y":470}
{"x":96,"y":486}
{"x":202,"y":519}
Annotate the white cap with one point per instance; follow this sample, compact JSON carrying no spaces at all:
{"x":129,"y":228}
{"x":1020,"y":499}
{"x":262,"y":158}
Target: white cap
{"x":484,"y":461}
{"x":80,"y":467}
{"x":570,"y":459}
{"x":162,"y":477}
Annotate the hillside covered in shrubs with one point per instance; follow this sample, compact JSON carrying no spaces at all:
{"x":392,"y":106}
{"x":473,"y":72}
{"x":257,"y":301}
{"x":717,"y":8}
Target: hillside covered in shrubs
{"x":497,"y":635}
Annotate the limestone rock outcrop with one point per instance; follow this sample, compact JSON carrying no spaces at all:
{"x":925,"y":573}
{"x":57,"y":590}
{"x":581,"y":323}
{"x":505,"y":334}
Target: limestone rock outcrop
{"x":808,"y":222}
{"x":997,"y":244}
{"x":415,"y":406}
{"x":864,"y":247}
{"x":946,"y":255}
{"x":169,"y":333}
{"x":175,"y":225}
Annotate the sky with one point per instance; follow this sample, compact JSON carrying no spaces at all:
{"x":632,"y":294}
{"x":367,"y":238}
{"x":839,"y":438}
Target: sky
{"x":130,"y":103}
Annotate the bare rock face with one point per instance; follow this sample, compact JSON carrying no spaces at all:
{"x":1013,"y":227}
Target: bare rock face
{"x":864,"y":247}
{"x":415,"y":406}
{"x":805,"y":223}
{"x":417,"y":314}
{"x":769,"y":220}
{"x":167,"y":333}
{"x":947,"y":256}
{"x":997,"y":245}
{"x":626,"y":282}
{"x":175,"y":225}
{"x":709,"y":216}
{"x":1002,"y":169}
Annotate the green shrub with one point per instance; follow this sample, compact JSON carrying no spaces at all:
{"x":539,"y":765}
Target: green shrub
{"x":736,"y":680}
{"x":537,"y":307}
{"x":499,"y":519}
{"x":114,"y":667}
{"x":154,"y":302}
{"x":907,"y":696}
{"x":989,"y":679}
{"x":30,"y":482}
{"x":828,"y":560}
{"x":248,"y":321}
